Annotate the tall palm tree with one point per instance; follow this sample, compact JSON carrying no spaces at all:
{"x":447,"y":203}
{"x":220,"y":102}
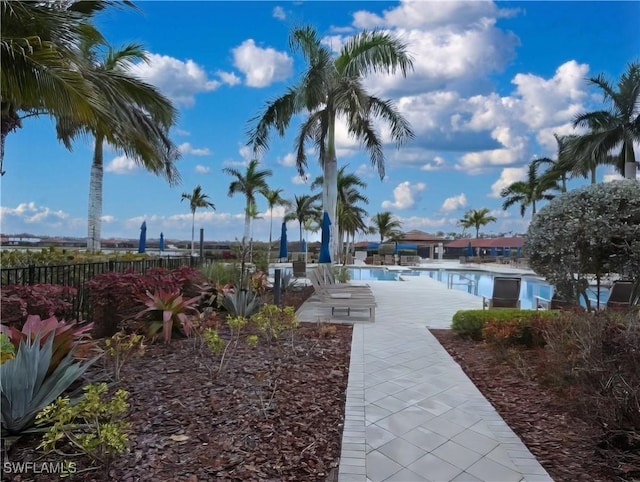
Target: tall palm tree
{"x":352,"y":220}
{"x":143,"y":133}
{"x":475,"y":218}
{"x":304,"y":209}
{"x":619,"y":126}
{"x":332,"y":88}
{"x":197,"y":199}
{"x":526,"y":193}
{"x":560,"y":167}
{"x":387,"y":225}
{"x":252,"y":182}
{"x":43,"y":71}
{"x":274,"y":199}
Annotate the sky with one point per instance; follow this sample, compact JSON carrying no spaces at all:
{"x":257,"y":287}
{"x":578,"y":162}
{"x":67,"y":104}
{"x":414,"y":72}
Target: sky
{"x":492,"y":82}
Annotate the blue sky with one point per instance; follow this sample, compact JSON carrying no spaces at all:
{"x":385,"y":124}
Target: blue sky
{"x":492,"y":82}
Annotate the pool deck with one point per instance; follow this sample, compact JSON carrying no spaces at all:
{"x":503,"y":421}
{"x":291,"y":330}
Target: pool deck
{"x":411,"y":413}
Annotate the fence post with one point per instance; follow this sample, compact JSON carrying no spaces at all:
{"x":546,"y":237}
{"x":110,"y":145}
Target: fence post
{"x":276,"y":286}
{"x":112,"y":265}
{"x":32,"y":273}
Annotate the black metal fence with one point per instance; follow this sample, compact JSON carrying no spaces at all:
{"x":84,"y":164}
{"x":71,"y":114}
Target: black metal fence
{"x":77,"y":275}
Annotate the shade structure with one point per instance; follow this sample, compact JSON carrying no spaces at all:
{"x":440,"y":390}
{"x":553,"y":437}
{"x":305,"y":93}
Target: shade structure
{"x":142,"y":245}
{"x":161,"y":242}
{"x":283,"y":241}
{"x":469,"y":249}
{"x":325,"y":255}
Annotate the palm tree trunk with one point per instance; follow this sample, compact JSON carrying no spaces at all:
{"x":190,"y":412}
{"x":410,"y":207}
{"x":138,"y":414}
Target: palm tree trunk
{"x":270,"y":237}
{"x":193,"y":231}
{"x":300,"y":223}
{"x":247,"y":224}
{"x":95,"y":198}
{"x":533,"y":208}
{"x":564,"y":182}
{"x":593,"y":175}
{"x":330,"y":186}
{"x":630,"y":166}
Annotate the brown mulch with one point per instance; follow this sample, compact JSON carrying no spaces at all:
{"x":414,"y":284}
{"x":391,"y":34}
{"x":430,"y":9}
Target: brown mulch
{"x":565,"y":445}
{"x":276,"y":413}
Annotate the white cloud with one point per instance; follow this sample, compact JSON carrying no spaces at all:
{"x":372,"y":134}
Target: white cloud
{"x":299,"y":180}
{"x":508,"y":176}
{"x":182,"y":132}
{"x":108,"y":218}
{"x":279,"y":13}
{"x":288,"y":161}
{"x":177,"y":79}
{"x":200,"y":169}
{"x":36,"y":219}
{"x":187,"y":148}
{"x":228,"y":78}
{"x":405,"y":195}
{"x":122,"y":165}
{"x":435,"y":164}
{"x":261,"y":66}
{"x":454,"y":202}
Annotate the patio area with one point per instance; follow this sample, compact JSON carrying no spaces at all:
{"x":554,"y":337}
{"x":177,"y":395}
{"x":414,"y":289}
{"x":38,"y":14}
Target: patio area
{"x":411,"y":412}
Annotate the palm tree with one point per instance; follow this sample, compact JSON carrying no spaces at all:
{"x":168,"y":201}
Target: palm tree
{"x":534,"y":188}
{"x":142,"y":135}
{"x":476,"y":218}
{"x":43,"y":71}
{"x":305,"y":209}
{"x":560,"y":167}
{"x":352,"y":221}
{"x":197,"y":199}
{"x":617,"y":127}
{"x":250,"y":183}
{"x":387,"y":225}
{"x":332,"y":88}
{"x":273,"y":199}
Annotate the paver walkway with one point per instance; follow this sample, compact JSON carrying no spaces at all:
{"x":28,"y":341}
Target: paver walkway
{"x":411,"y":413}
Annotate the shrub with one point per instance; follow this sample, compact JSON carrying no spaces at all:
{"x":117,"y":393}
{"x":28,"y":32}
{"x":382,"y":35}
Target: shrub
{"x":241,"y":303}
{"x":590,"y":230}
{"x":7,"y":350}
{"x":168,"y":310}
{"x":470,"y":323}
{"x":93,"y":425}
{"x":272,"y":320}
{"x":120,"y":347}
{"x":44,"y":300}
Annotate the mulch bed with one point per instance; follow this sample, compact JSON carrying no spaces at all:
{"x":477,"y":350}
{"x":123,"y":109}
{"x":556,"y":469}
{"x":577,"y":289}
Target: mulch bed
{"x":565,"y":445}
{"x":276,"y":413}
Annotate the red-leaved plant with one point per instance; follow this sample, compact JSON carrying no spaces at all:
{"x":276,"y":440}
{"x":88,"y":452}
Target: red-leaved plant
{"x":66,"y":336}
{"x":169,"y":309}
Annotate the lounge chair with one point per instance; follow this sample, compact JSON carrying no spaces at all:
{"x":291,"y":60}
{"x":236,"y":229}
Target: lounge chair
{"x":342,"y":297}
{"x":506,"y":293}
{"x":620,"y":295}
{"x":327,"y":276}
{"x":321,"y":283}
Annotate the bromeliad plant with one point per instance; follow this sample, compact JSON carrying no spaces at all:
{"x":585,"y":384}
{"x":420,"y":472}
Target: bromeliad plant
{"x":168,"y":310}
{"x":65,"y":336}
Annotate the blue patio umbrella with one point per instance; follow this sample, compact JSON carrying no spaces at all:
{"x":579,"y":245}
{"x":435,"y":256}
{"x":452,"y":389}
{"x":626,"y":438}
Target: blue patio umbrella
{"x":518,"y":252}
{"x":161,"y":242}
{"x":469,"y":249}
{"x":283,"y":241}
{"x":493,"y":252}
{"x":142,"y":245}
{"x":303,"y":246}
{"x":507,"y":252}
{"x":325,"y":255}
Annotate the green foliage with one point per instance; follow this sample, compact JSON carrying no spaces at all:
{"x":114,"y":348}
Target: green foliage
{"x":7,"y":350}
{"x":25,"y":386}
{"x":241,"y":303}
{"x":594,"y":230}
{"x":252,"y":341}
{"x":120,"y":347}
{"x":213,"y":340}
{"x":168,"y":310}
{"x":470,"y":323}
{"x":341,"y":273}
{"x":65,"y":336}
{"x":93,"y":424}
{"x":219,"y":272}
{"x":272,"y":320}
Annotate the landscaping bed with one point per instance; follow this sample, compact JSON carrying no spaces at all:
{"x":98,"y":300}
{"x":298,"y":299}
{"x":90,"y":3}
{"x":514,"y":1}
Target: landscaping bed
{"x":565,"y":445}
{"x":275,"y":413}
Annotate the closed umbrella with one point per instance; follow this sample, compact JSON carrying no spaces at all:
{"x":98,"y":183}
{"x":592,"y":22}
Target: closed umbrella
{"x":325,"y":255}
{"x":142,"y":245}
{"x":469,"y":249}
{"x":283,"y":241}
{"x":303,"y":246}
{"x":161,"y":242}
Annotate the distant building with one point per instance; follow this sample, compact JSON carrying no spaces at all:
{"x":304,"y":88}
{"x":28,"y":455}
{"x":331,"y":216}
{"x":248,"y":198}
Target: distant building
{"x":500,"y":247}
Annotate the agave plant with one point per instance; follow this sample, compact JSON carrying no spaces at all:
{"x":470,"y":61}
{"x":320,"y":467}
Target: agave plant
{"x":172,"y":310}
{"x":65,"y":337}
{"x":25,"y":387}
{"x":241,"y":303}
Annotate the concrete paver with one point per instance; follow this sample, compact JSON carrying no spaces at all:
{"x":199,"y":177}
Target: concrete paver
{"x":412,"y":413}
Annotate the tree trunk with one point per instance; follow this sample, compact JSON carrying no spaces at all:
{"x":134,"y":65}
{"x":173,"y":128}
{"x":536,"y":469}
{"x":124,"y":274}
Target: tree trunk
{"x":247,"y":224}
{"x":270,"y":238}
{"x":193,"y":231}
{"x":593,"y":175}
{"x":95,"y":198}
{"x":330,"y":186}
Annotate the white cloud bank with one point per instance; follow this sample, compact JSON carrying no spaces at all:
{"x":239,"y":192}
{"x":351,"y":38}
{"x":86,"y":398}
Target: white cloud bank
{"x":261,"y":66}
{"x":405,"y":195}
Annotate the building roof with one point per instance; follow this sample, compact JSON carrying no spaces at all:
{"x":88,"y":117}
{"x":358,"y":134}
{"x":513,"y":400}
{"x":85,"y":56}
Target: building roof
{"x":502,"y":242}
{"x":417,"y":236}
